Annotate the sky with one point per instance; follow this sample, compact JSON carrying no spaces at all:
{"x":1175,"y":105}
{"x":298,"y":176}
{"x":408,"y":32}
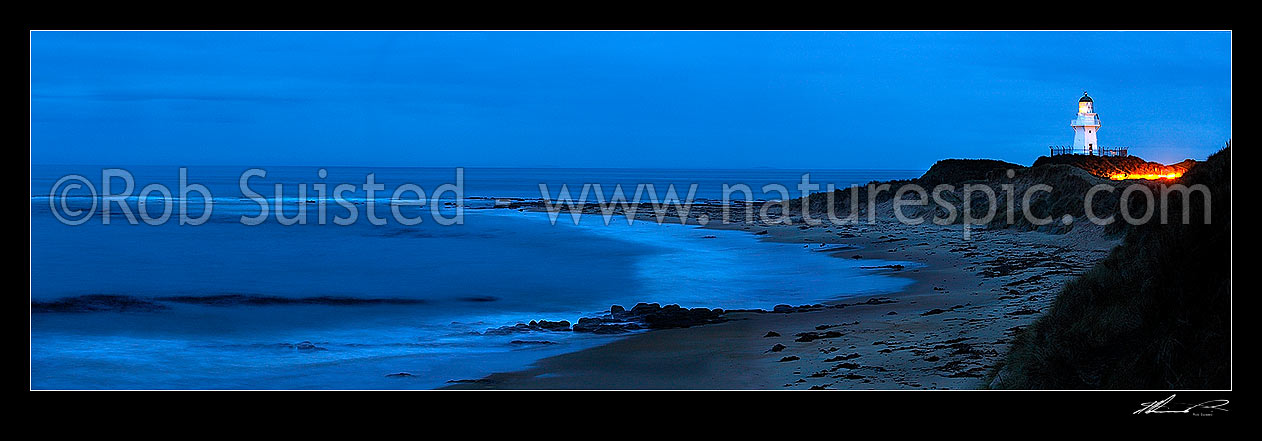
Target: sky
{"x":713,"y":100}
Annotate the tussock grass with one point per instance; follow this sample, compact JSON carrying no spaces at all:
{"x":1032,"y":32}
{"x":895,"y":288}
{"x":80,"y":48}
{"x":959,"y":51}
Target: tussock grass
{"x":1106,"y":166}
{"x":1155,"y":314}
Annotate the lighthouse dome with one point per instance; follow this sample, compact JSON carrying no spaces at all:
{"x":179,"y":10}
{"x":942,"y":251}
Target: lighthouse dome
{"x":1085,"y":98}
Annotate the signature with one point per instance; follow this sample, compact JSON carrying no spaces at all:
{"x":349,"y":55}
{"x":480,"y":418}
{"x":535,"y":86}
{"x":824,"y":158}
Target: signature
{"x":1204,"y":408}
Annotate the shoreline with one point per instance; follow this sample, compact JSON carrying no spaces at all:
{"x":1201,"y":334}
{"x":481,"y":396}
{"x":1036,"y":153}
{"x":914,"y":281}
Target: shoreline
{"x":945,"y":330}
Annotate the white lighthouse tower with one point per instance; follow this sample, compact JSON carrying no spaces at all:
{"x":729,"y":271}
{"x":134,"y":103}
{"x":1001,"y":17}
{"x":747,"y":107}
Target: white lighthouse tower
{"x":1085,"y":126}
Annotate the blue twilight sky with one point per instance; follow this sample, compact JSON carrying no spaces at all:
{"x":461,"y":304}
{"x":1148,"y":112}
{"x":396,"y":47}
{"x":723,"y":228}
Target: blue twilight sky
{"x":618,"y":99}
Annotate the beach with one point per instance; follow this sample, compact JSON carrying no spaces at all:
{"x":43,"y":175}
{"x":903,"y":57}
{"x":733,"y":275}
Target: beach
{"x":737,"y":209}
{"x":946,"y":330}
{"x":860,"y":305}
{"x":299,"y":307}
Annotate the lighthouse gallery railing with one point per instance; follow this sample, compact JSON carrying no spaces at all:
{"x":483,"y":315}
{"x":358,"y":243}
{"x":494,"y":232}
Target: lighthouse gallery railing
{"x":1102,"y":151}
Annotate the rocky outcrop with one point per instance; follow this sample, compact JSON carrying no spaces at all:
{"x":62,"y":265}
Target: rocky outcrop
{"x":647,"y":316}
{"x":805,"y":337}
{"x":620,"y":320}
{"x":305,"y":345}
{"x":534,"y":325}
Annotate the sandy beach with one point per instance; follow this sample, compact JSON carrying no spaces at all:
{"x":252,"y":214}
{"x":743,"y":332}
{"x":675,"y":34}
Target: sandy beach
{"x":946,"y":330}
{"x":648,"y":207}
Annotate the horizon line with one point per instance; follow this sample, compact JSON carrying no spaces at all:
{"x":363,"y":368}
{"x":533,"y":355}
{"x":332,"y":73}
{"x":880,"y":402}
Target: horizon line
{"x":33,"y":164}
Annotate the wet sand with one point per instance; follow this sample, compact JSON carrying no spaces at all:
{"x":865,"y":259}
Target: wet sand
{"x":946,"y":330}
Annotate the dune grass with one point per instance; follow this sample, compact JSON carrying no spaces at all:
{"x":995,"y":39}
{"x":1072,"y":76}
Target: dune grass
{"x":1155,"y":314}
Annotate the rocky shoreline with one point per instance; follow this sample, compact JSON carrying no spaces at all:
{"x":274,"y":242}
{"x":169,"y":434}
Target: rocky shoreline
{"x":650,"y":316}
{"x":946,"y":330}
{"x":619,"y":320}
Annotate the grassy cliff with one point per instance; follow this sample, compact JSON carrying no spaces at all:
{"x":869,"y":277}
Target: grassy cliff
{"x":1154,"y":314}
{"x":1071,"y":184}
{"x":1107,"y":166}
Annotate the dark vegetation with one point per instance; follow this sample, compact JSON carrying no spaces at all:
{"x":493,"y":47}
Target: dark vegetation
{"x":959,"y":171}
{"x":1070,"y":178}
{"x":1155,"y":314}
{"x":1106,"y":166}
{"x":1008,"y":181}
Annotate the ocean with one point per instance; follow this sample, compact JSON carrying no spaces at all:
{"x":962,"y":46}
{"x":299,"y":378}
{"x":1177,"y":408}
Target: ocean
{"x":225,"y":305}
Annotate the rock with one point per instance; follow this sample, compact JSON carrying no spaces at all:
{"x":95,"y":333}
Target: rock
{"x":771,"y":334}
{"x":790,"y":358}
{"x":647,"y":316}
{"x":307,"y":346}
{"x":563,"y":325}
{"x":505,"y":330}
{"x":400,"y":374}
{"x":842,"y":358}
{"x":812,"y":336}
{"x":645,"y":307}
{"x":777,"y":348}
{"x":933,"y":311}
{"x":673,"y":316}
{"x":782,"y":309}
{"x":597,"y":325}
{"x":892,"y":313}
{"x":876,"y":301}
{"x":533,"y":326}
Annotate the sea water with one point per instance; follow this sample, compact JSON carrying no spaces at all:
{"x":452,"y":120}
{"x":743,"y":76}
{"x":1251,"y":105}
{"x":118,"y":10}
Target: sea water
{"x":430,"y":291}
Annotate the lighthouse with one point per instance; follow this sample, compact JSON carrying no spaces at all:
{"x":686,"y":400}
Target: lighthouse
{"x":1085,"y":125}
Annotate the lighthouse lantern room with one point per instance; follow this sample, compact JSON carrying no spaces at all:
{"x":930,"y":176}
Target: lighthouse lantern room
{"x":1085,"y":125}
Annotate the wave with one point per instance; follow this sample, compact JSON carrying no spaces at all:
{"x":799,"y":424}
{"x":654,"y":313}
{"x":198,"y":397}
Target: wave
{"x":124,"y":303}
